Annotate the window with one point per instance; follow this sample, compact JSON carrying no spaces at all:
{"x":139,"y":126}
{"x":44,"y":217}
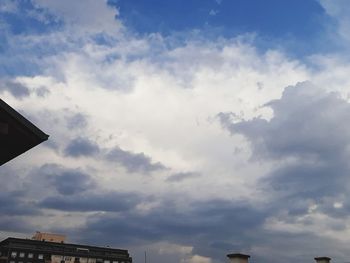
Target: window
{"x":30,"y":255}
{"x":21,"y":254}
{"x":40,"y":256}
{"x":20,"y":261}
{"x":12,"y":261}
{"x":106,"y":261}
{"x":115,"y":261}
{"x":13,"y":254}
{"x":82,"y":249}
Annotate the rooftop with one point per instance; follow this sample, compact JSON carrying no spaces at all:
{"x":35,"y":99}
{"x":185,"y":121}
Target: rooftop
{"x":17,"y":134}
{"x":63,"y":248}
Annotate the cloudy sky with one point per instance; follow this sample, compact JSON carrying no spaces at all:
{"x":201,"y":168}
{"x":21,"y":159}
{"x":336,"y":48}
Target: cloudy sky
{"x":188,"y":129}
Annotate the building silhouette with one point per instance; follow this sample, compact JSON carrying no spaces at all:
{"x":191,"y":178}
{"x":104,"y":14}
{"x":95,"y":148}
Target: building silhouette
{"x":17,"y":134}
{"x":18,"y":250}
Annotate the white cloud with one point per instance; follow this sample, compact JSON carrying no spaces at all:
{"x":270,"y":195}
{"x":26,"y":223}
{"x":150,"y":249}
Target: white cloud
{"x":91,"y":16}
{"x":339,"y":10}
{"x":141,"y":103}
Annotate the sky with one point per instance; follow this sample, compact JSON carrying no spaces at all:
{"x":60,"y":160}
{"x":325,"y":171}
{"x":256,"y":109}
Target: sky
{"x":187,"y":129}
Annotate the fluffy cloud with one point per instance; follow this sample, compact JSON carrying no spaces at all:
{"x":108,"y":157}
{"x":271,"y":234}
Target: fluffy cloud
{"x":81,"y":147}
{"x":307,"y":140}
{"x":133,"y":162}
{"x":309,"y":134}
{"x":16,"y":89}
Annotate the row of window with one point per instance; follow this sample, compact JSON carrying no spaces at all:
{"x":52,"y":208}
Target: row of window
{"x":108,"y":261}
{"x":14,"y":254}
{"x":22,"y":255}
{"x":12,"y":261}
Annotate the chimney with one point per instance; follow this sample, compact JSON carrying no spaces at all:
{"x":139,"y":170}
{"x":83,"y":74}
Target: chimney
{"x":323,"y":260}
{"x":240,"y":258}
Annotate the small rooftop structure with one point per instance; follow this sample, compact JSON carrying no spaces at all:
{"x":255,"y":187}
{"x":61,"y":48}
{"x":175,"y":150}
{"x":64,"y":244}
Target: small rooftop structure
{"x":49,"y":237}
{"x":17,"y":134}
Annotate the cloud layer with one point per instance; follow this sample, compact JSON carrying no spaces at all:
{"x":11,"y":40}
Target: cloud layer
{"x":187,"y":149}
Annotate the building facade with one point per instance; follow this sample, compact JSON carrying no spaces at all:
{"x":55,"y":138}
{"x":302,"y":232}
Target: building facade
{"x":17,"y":250}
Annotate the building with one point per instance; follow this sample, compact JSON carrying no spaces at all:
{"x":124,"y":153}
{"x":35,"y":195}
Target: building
{"x":18,"y":250}
{"x":49,"y":237}
{"x":17,"y":134}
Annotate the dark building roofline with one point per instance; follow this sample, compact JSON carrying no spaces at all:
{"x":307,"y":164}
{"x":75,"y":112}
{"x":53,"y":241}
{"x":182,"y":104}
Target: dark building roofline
{"x":17,"y":134}
{"x":48,"y":243}
{"x":18,"y":117}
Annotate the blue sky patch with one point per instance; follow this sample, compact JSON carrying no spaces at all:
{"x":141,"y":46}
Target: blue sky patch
{"x":300,"y":18}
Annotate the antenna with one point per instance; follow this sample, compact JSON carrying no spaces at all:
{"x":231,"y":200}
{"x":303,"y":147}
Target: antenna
{"x":145,"y":257}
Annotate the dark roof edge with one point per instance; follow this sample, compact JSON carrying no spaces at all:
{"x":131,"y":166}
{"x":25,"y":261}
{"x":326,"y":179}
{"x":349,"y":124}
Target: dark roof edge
{"x":61,"y":244}
{"x":14,"y":114}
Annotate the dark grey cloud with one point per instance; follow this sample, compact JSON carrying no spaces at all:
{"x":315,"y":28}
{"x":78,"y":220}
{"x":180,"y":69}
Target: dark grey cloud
{"x":77,"y":121}
{"x":214,"y":228}
{"x":15,"y":224}
{"x":14,"y":200}
{"x":112,"y":202}
{"x":71,"y":182}
{"x":133,"y":162}
{"x":307,"y":123}
{"x":178,"y":177}
{"x":309,"y":137}
{"x":14,"y":203}
{"x":81,"y":147}
{"x":17,"y":89}
{"x":42,"y":92}
{"x":65,"y":180}
{"x":201,"y":225}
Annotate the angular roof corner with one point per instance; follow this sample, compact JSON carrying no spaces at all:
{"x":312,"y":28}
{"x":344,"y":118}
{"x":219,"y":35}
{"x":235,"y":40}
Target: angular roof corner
{"x":17,"y":134}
